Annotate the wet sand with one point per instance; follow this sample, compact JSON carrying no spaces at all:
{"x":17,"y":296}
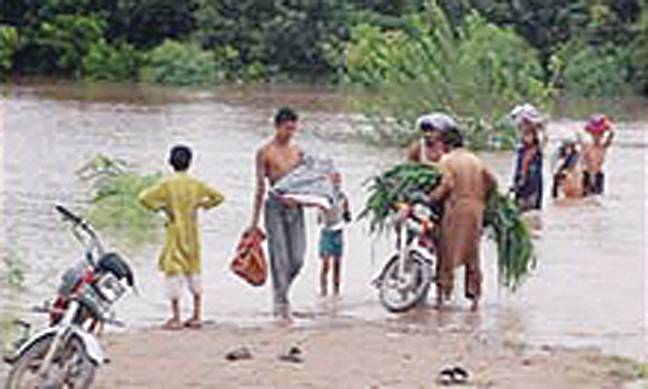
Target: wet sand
{"x":349,"y":355}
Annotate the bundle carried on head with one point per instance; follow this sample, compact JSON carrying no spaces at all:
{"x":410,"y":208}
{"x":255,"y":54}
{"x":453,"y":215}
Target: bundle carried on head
{"x":406,"y":182}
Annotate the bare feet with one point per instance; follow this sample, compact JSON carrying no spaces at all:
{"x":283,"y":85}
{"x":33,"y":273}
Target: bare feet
{"x":439,"y":300}
{"x":281,"y":311}
{"x":474,"y":307}
{"x":193,"y":323}
{"x":172,"y":324}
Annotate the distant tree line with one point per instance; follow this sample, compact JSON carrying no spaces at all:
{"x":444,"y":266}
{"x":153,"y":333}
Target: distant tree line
{"x":587,"y":48}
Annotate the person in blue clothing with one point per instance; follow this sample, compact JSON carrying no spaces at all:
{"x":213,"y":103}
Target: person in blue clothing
{"x":527,"y":177}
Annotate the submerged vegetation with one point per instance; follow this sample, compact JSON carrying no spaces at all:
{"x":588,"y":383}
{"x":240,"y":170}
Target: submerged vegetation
{"x":12,"y":273}
{"x":114,"y":205}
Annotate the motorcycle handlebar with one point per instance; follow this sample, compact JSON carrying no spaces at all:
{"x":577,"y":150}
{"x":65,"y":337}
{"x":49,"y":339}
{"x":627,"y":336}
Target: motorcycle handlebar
{"x":67,"y":214}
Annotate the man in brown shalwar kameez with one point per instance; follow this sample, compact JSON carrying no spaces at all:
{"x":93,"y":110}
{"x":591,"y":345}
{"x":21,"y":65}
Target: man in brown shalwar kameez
{"x":464,"y":188}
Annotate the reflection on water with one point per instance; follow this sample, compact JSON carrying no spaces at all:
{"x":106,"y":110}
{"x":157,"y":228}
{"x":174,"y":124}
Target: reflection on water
{"x":587,"y":290}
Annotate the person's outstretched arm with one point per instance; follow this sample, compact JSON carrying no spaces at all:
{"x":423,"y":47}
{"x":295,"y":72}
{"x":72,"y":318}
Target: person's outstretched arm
{"x":260,"y":188}
{"x":609,"y":139}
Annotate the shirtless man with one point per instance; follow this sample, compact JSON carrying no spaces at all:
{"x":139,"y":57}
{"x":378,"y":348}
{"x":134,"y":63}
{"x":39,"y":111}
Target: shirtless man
{"x":594,"y":154}
{"x":284,"y":220}
{"x":429,"y":147}
{"x":464,"y":188}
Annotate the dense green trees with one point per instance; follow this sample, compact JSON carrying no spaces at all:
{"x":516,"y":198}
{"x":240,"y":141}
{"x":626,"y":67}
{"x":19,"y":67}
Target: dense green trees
{"x":591,"y":47}
{"x":475,"y":70}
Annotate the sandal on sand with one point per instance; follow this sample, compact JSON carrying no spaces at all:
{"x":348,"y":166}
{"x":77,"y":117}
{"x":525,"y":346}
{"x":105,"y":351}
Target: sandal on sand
{"x":194,"y":324}
{"x":455,"y":375}
{"x":293,"y":355}
{"x":460,"y":375}
{"x":172,"y":325}
{"x":238,"y":354}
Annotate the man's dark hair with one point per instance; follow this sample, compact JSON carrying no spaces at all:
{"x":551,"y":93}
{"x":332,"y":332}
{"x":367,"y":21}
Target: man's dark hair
{"x":453,"y":138}
{"x":285,"y":114}
{"x":180,"y":158}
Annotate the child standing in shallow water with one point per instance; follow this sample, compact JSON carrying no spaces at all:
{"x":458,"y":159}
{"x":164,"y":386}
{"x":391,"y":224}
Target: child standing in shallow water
{"x":331,"y":242}
{"x":180,"y":196}
{"x":567,"y":175}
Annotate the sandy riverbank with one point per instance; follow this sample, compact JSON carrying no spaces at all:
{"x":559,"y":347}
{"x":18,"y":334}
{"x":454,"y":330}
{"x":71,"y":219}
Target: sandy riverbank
{"x":348,"y":355}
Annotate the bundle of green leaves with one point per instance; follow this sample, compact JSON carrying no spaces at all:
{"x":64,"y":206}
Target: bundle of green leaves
{"x":396,"y":185}
{"x":515,"y":256}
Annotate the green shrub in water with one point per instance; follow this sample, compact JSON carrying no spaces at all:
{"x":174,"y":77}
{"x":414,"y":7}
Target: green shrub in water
{"x":115,"y":206}
{"x":13,"y":274}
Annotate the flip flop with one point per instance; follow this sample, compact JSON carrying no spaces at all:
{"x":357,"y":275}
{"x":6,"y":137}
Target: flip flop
{"x":293,"y":355}
{"x":446,"y":377}
{"x":460,"y":375}
{"x":172,"y":325}
{"x":455,"y":375}
{"x":238,"y":354}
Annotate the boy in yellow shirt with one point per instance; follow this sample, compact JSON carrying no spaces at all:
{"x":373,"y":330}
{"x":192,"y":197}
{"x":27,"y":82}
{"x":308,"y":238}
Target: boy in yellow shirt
{"x":180,"y":195}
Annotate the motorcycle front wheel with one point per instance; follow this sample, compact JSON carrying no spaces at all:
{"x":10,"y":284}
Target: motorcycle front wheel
{"x":401,"y":291}
{"x":71,"y":367}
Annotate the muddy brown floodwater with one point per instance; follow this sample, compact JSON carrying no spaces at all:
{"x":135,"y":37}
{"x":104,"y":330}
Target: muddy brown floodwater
{"x":589,"y":288}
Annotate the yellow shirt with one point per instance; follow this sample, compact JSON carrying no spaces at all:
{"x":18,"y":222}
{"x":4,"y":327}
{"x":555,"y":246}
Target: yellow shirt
{"x":180,"y":196}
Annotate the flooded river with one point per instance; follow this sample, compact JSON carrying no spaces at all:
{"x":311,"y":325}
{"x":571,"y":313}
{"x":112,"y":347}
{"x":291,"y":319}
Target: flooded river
{"x":589,"y":288}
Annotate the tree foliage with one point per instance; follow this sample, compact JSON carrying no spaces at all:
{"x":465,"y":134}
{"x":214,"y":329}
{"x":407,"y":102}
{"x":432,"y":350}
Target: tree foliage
{"x":8,"y":45}
{"x":299,"y":39}
{"x":175,"y":63}
{"x":476,"y":71}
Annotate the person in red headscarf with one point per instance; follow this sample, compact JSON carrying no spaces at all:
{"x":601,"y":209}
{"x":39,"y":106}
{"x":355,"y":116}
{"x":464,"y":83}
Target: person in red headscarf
{"x":600,"y":128}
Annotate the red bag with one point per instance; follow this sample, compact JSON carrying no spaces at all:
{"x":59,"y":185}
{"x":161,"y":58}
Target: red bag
{"x":249,"y":262}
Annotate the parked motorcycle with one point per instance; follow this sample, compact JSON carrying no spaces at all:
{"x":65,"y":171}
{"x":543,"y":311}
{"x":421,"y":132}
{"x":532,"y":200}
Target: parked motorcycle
{"x":67,"y":353}
{"x":405,"y":279}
